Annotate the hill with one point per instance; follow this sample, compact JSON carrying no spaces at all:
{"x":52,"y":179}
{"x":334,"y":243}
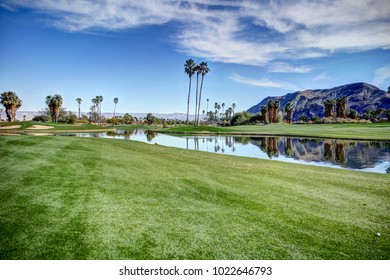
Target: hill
{"x":361,"y":97}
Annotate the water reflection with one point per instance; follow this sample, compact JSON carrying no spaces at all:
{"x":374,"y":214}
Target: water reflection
{"x":361,"y":155}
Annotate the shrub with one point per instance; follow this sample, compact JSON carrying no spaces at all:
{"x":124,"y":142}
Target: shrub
{"x":40,"y":118}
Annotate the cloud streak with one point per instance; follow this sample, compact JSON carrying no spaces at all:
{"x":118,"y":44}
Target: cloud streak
{"x":263,"y":83}
{"x":382,"y":75}
{"x":258,"y":33}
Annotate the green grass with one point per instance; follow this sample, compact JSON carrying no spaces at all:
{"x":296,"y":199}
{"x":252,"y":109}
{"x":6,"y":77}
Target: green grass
{"x":373,"y":131}
{"x":86,"y":198}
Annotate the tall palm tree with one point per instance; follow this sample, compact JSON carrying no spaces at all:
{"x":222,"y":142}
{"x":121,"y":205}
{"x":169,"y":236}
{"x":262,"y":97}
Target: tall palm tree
{"x":264,"y":110}
{"x":98,"y":103}
{"x":275,"y":112}
{"x":12,"y":103}
{"x":189,"y":69}
{"x":198,"y":71}
{"x":54,"y":102}
{"x":115,"y":102}
{"x":341,"y":107}
{"x":329,"y":105}
{"x":204,"y":69}
{"x":271,"y":108}
{"x":79,"y":100}
{"x":100,"y":108}
{"x":233,"y":107}
{"x":95,"y":109}
{"x":223,"y":106}
{"x":289,"y":110}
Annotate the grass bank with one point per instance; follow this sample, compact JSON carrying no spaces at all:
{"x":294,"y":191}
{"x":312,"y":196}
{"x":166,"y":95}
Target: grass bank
{"x":373,"y":131}
{"x":28,"y":126}
{"x":86,"y":198}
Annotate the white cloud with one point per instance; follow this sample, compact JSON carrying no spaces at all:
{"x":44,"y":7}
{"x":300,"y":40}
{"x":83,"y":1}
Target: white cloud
{"x":236,"y":31}
{"x":264,"y":83}
{"x":324,"y":76}
{"x":282,"y":67}
{"x":382,"y":75}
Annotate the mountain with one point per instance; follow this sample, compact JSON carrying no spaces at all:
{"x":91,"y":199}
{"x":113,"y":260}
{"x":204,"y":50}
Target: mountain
{"x":361,"y":97}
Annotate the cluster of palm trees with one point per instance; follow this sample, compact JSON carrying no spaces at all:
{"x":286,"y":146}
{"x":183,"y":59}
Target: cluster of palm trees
{"x":54,"y":102}
{"x":12,"y":103}
{"x":341,"y":107}
{"x":190,"y":68}
{"x":216,"y":115}
{"x":272,"y":108}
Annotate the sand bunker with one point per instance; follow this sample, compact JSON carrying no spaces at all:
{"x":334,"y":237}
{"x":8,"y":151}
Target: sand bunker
{"x":10,"y":127}
{"x":40,"y":127}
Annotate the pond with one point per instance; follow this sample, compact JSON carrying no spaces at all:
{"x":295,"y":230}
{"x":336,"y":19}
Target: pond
{"x":370,"y":156}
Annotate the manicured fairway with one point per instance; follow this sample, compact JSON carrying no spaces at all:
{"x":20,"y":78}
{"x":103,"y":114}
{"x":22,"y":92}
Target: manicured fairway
{"x":85,"y":198}
{"x":373,"y":131}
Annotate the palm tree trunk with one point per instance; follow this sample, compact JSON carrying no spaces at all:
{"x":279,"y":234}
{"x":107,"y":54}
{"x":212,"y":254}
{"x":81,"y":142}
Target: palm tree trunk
{"x":114,"y":110}
{"x":188,"y":101}
{"x":196,"y":100}
{"x":200,"y":97}
{"x":79,"y":112}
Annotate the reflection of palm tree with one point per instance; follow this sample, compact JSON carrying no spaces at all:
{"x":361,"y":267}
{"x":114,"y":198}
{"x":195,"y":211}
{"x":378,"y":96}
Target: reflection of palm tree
{"x":328,"y":151}
{"x":150,"y":135}
{"x":196,"y":143}
{"x":288,"y":147}
{"x":272,"y":149}
{"x":340,"y":152}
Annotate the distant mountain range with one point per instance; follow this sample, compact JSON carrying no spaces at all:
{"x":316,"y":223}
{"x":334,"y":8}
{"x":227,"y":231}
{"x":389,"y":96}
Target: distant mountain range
{"x":361,"y":97}
{"x":30,"y":114}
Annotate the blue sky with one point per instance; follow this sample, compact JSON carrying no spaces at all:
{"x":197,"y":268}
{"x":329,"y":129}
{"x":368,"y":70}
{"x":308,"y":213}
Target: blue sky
{"x":135,"y":50}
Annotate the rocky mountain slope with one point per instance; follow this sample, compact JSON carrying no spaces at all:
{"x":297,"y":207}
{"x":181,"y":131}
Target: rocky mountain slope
{"x":361,"y":97}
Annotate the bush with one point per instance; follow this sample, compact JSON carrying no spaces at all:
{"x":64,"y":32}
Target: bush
{"x":40,"y":118}
{"x":241,"y":118}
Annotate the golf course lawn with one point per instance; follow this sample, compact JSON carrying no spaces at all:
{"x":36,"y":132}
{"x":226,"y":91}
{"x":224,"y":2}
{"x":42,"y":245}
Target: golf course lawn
{"x":88,"y":198}
{"x":369,"y":131}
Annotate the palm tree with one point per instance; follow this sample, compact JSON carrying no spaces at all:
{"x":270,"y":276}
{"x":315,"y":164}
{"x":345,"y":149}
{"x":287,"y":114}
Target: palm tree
{"x":1,"y":111}
{"x":264,"y":110}
{"x":190,"y":71}
{"x":95,"y":108}
{"x":100,"y":108}
{"x":197,"y":70}
{"x":329,"y":105}
{"x":271,"y":108}
{"x":289,"y":110}
{"x":115,"y":102}
{"x":12,"y":103}
{"x":223,"y":106}
{"x":275,"y":112}
{"x":97,"y":101}
{"x":341,"y":108}
{"x":233,"y":106}
{"x":204,"y":69}
{"x":79,"y":100}
{"x":54,"y":102}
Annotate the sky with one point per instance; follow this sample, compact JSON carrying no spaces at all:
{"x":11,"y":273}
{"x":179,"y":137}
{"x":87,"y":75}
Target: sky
{"x":136,"y":50}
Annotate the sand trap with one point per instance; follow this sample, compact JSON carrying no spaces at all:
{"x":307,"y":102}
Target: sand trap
{"x":40,"y":134}
{"x":10,"y":127}
{"x":40,"y":127}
